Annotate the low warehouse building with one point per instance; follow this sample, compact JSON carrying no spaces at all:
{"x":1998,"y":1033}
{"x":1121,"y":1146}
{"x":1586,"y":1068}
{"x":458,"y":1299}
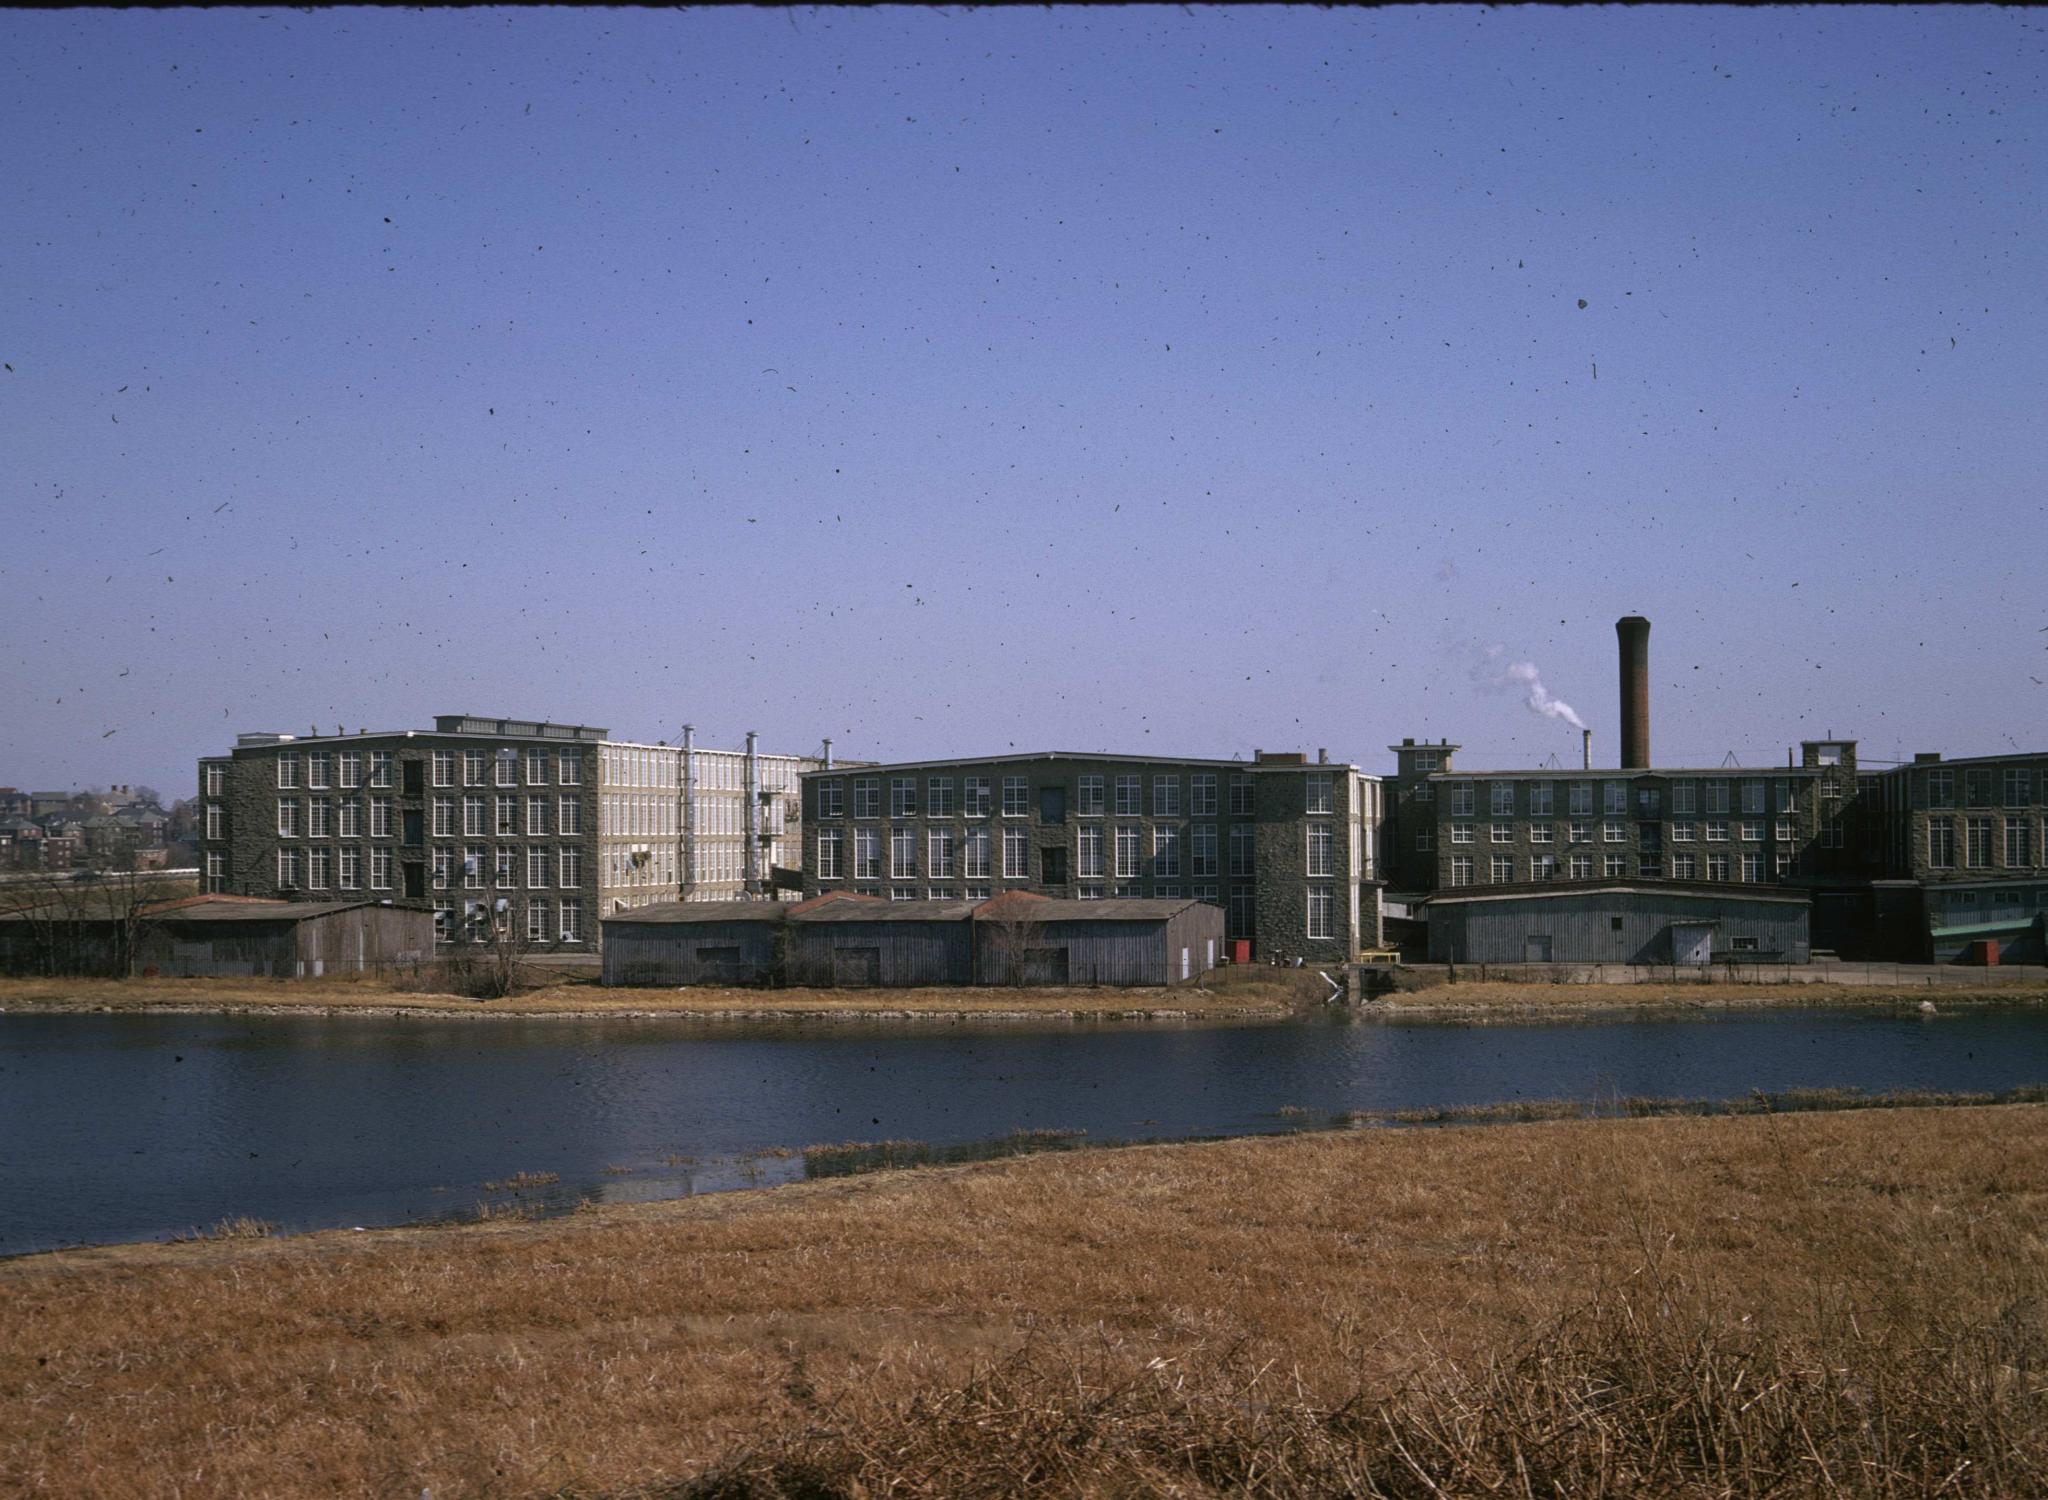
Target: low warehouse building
{"x":1618,"y":922}
{"x":213,"y":937}
{"x":695,"y":942}
{"x":864,"y":941}
{"x":1023,"y":938}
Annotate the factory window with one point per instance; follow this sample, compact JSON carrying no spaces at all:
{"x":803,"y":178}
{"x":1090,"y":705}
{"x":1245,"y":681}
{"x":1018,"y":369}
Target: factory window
{"x":317,"y":863}
{"x":1647,"y":799}
{"x":1319,"y":850}
{"x":288,"y":768}
{"x":507,"y":763}
{"x":214,"y":819}
{"x":380,"y":768}
{"x":1240,"y":796}
{"x":1463,"y":800}
{"x":474,"y":859}
{"x":537,"y":768}
{"x":1581,"y":799}
{"x":1684,"y":797}
{"x":938,"y":797}
{"x":444,"y":768}
{"x":1613,"y":797}
{"x":1166,"y":796}
{"x":867,"y":854}
{"x":288,"y":817}
{"x":1783,"y":863}
{"x":1977,"y":788}
{"x":1165,"y":853}
{"x":1977,"y":843}
{"x":1717,"y":831}
{"x":1016,"y":854}
{"x":1683,"y":833}
{"x":1685,"y":867}
{"x":1425,"y":791}
{"x":572,"y":919}
{"x":1088,"y":853}
{"x":288,"y":868}
{"x":351,"y":869}
{"x":1717,"y":867}
{"x":1426,"y":760}
{"x":1503,"y":833}
{"x":867,"y":797}
{"x":2019,"y":789}
{"x":938,"y":893}
{"x":1322,"y":912}
{"x":537,"y":870}
{"x":472,"y":817}
{"x":1202,"y":798}
{"x":1581,"y":866}
{"x":1322,"y":792}
{"x":1423,"y":840}
{"x":903,"y":796}
{"x":537,"y":921}
{"x":1581,"y":831}
{"x":1126,"y":851}
{"x":1503,"y":871}
{"x":569,"y":772}
{"x":320,"y":820}
{"x":1238,"y":913}
{"x":982,"y":893}
{"x":1016,"y":797}
{"x":1751,"y":830}
{"x":508,"y":816}
{"x":1752,"y":868}
{"x":939,"y":854}
{"x":1461,"y":833}
{"x":537,"y":815}
{"x":902,"y":853}
{"x":1461,"y":869}
{"x":569,"y":867}
{"x":1092,"y":797}
{"x":2018,"y":856}
{"x":976,"y":800}
{"x":1788,"y":795}
{"x":504,"y":864}
{"x":316,"y":770}
{"x":1616,"y":866}
{"x":1613,"y":832}
{"x":975,"y":855}
{"x":1783,"y":831}
{"x":380,"y":869}
{"x":1717,"y":797}
{"x":1242,"y":845}
{"x":1202,"y":853}
{"x":831,"y":799}
{"x":1503,"y":799}
{"x":217,"y":780}
{"x":1127,"y":789}
{"x":1540,"y":799}
{"x":380,"y":817}
{"x":1752,"y":795}
{"x":1541,"y":833}
{"x":473,"y":767}
{"x":443,"y":863}
{"x":1543,"y":867}
{"x":1941,"y":788}
{"x":569,"y":816}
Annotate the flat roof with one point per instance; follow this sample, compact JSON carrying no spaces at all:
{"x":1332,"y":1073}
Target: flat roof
{"x":1722,"y":890}
{"x":1616,"y":773}
{"x":1023,"y":757}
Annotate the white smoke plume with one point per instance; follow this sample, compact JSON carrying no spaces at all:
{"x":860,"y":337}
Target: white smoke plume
{"x":1498,"y":672}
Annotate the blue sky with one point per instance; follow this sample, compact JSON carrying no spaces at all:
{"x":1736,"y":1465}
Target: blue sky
{"x":1132,"y":379}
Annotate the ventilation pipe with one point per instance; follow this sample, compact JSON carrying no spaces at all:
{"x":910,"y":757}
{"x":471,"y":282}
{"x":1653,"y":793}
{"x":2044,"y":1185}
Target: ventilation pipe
{"x":753,"y":865}
{"x":1586,"y":747}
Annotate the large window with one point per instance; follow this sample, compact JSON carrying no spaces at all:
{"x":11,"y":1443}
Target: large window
{"x":537,"y":815}
{"x":317,"y":766}
{"x":1165,"y":796}
{"x":830,"y":849}
{"x":938,"y":797}
{"x":1016,"y":797}
{"x":288,"y":768}
{"x":318,"y":865}
{"x":2018,"y":842}
{"x":475,"y":766}
{"x":1613,"y":797}
{"x":1503,"y":799}
{"x":569,"y":816}
{"x":1582,"y":799}
{"x":1126,"y":851}
{"x":287,"y":817}
{"x":380,"y":869}
{"x":1684,"y":797}
{"x":1503,"y":871}
{"x":902,"y":853}
{"x":1540,"y":799}
{"x":215,"y":821}
{"x":572,"y":919}
{"x":1941,"y":843}
{"x":1202,"y":794}
{"x":831,"y":799}
{"x":1322,"y":912}
{"x":288,"y":868}
{"x":1717,"y":796}
{"x":538,"y":870}
{"x":473,"y":816}
{"x":1240,"y":796}
{"x":216,"y":780}
{"x":444,"y":767}
{"x":351,"y":871}
{"x":1202,"y":852}
{"x":1461,"y":869}
{"x":867,"y":797}
{"x":867,"y":854}
{"x":1166,"y":854}
{"x":1320,"y":844}
{"x":1090,"y":798}
{"x":1322,"y":792}
{"x":506,"y":767}
{"x":1752,"y":795}
{"x":1977,"y":843}
{"x":569,"y":867}
{"x":1016,"y":854}
{"x":903,"y":796}
{"x":380,"y":768}
{"x":939,"y":847}
{"x":1127,"y":793}
{"x":380,"y":817}
{"x":974,"y":854}
{"x":1463,"y":801}
{"x":320,"y":817}
{"x":2019,"y":786}
{"x":569,"y":772}
{"x":976,"y":798}
{"x":1088,"y":852}
{"x":1242,"y":845}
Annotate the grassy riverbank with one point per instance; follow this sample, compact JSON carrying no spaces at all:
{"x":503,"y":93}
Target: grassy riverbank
{"x":1241,"y":994}
{"x":1851,"y":1302}
{"x":1496,"y":1000}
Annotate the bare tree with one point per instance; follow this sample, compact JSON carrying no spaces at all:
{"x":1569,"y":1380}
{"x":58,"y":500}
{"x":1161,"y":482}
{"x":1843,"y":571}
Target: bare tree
{"x":83,"y":921}
{"x":487,"y":955}
{"x":1013,"y":933}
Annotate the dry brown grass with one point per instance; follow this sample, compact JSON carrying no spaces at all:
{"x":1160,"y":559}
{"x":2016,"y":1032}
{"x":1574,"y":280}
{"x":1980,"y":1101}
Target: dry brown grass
{"x":1853,"y":1301}
{"x":1494,"y":999}
{"x":1269,"y":994}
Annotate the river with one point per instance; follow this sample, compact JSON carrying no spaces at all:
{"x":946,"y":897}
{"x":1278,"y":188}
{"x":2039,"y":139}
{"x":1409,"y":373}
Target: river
{"x":136,"y":1127}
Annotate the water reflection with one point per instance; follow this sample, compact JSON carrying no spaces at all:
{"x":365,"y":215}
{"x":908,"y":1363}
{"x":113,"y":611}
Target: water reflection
{"x":136,"y":1127}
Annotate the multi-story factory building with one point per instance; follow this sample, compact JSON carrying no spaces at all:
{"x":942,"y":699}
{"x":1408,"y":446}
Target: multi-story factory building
{"x":504,"y":826}
{"x":1287,"y":848}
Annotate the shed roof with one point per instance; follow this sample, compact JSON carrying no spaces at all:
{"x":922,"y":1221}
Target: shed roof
{"x":1037,"y":908}
{"x":886,"y":911}
{"x":1702,"y":890}
{"x":675,"y":913}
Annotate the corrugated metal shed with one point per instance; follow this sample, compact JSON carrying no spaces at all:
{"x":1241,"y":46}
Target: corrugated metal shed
{"x":1022,"y":938}
{"x":695,"y":942}
{"x":1634,"y":922}
{"x":223,"y":937}
{"x":881,"y":943}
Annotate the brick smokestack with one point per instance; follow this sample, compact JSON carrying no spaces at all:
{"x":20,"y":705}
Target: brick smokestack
{"x":1634,"y":633}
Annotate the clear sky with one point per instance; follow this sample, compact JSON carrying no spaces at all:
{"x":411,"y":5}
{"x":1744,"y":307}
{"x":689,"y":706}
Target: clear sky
{"x":1130,"y":379}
